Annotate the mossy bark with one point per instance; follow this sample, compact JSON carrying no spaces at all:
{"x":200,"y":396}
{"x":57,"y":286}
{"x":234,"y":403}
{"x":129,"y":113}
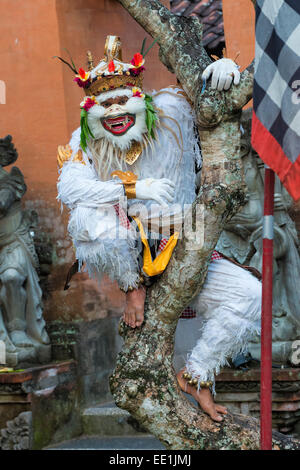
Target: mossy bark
{"x":144,"y":382}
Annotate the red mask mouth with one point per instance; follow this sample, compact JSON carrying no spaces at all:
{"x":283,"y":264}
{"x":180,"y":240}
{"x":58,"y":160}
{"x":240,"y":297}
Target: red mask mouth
{"x":118,"y":125}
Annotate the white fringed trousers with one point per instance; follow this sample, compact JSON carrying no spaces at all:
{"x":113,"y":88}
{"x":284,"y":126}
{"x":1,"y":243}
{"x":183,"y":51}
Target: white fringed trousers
{"x":230,"y":306}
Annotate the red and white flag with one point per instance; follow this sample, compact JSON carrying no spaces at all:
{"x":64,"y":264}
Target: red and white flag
{"x":276,"y":95}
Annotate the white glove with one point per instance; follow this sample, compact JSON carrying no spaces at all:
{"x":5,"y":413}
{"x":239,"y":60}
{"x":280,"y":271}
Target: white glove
{"x":223,"y":72}
{"x":160,"y":190}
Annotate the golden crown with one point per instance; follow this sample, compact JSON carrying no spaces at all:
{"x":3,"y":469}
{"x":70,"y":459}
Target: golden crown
{"x":111,"y":72}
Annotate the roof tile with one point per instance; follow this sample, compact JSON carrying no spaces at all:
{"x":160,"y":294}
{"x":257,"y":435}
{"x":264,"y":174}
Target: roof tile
{"x":210,"y":14}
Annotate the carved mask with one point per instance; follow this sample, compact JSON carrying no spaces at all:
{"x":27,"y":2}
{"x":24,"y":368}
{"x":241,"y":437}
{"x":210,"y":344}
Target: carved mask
{"x":119,"y":117}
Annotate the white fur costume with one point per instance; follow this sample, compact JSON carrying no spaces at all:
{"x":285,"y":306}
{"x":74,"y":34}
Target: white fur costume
{"x":228,"y":308}
{"x":100,"y":241}
{"x":231,"y":297}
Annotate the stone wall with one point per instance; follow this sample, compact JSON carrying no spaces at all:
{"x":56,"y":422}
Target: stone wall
{"x":239,"y":390}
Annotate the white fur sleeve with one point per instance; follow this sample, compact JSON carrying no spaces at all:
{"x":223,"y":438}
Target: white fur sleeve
{"x":79,"y":184}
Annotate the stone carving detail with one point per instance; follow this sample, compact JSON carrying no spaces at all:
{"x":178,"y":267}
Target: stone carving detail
{"x":18,"y":433}
{"x":242,"y":240}
{"x":22,"y":327}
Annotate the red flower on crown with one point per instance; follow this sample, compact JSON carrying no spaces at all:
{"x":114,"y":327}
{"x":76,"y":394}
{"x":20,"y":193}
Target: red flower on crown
{"x":83,"y":74}
{"x":137,"y":60}
{"x":83,"y":78}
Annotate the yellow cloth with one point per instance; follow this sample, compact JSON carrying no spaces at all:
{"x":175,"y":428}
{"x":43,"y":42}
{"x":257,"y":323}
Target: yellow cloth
{"x":152,"y":268}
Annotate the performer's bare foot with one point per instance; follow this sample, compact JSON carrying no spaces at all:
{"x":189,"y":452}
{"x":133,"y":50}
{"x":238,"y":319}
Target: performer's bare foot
{"x":203,"y":397}
{"x":134,"y":311}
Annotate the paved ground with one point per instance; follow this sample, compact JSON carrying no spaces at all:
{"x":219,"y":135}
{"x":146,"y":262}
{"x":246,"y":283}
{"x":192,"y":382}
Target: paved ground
{"x":110,"y":443}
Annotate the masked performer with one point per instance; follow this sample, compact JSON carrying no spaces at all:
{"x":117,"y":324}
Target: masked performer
{"x":132,"y":164}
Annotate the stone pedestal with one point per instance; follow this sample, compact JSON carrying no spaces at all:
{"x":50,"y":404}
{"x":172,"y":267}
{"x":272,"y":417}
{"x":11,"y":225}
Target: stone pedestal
{"x":240,"y":392}
{"x":39,"y":405}
{"x":24,"y":357}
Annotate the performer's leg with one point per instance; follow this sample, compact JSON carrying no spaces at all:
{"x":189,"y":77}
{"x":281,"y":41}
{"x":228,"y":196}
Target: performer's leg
{"x":112,"y":247}
{"x":203,"y":397}
{"x":134,"y":309}
{"x":230,"y":303}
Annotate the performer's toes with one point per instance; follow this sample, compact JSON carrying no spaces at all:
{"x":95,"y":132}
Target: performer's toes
{"x":127,"y":318}
{"x":215,"y":416}
{"x":221,"y":409}
{"x":207,"y":404}
{"x":132,"y":319}
{"x":139,"y":319}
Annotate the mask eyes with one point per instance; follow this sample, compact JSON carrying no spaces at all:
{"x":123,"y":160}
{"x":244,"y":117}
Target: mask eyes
{"x":106,"y":104}
{"x":121,"y":101}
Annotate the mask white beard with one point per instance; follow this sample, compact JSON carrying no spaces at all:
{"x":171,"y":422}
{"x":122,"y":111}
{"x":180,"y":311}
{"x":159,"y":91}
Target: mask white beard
{"x":135,"y":106}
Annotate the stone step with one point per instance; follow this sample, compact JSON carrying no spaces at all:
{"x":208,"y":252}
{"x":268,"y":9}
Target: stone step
{"x":109,"y":443}
{"x":109,"y":420}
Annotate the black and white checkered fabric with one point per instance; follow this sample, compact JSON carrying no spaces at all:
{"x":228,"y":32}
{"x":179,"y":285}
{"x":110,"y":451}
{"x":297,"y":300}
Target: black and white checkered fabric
{"x":277,"y":83}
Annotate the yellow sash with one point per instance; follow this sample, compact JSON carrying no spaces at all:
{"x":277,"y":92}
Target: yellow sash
{"x":152,"y":268}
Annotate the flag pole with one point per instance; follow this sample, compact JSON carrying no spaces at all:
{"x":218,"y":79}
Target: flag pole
{"x":266,"y":319}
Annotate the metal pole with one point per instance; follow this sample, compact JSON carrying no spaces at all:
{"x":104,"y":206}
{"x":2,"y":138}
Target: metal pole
{"x":266,"y":319}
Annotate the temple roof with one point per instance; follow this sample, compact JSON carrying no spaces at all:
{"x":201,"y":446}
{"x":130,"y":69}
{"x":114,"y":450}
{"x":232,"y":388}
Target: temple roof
{"x":210,"y":14}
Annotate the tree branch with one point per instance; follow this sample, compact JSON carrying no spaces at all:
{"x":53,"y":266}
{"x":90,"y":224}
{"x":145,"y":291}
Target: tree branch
{"x":144,"y":382}
{"x":181,"y":50}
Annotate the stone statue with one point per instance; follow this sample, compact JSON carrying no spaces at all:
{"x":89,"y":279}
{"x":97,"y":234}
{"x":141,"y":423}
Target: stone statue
{"x":242,"y":240}
{"x":22,"y":327}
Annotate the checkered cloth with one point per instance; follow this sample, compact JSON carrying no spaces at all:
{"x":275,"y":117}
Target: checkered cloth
{"x":124,"y":221}
{"x":188,"y":312}
{"x":162,"y":244}
{"x":216,"y":255}
{"x":276,"y":94}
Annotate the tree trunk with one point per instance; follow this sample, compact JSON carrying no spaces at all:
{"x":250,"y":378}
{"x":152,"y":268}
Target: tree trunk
{"x":144,"y":381}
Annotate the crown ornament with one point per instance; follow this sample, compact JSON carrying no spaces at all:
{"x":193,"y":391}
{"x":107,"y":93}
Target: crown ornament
{"x":111,"y":72}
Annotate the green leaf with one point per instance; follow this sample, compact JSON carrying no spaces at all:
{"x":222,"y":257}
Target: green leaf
{"x":82,"y":133}
{"x":150,"y":47}
{"x":148,"y":98}
{"x":65,"y":62}
{"x":147,"y":121}
{"x":72,"y":62}
{"x":86,"y":132}
{"x":143,"y":46}
{"x":151,"y":116}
